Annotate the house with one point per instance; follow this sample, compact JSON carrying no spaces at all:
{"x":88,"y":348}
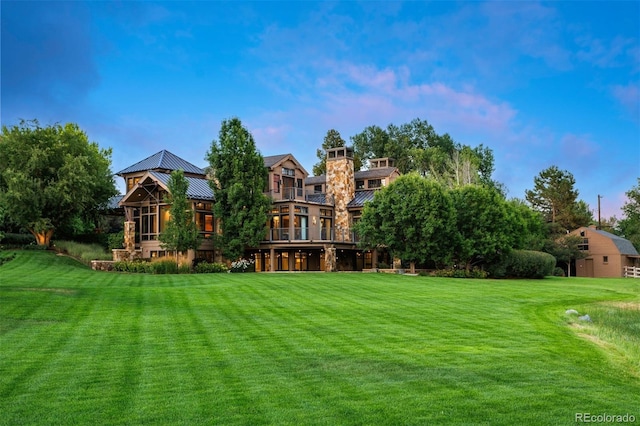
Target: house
{"x":147,"y":211}
{"x":608,"y":254}
{"x":310,"y":225}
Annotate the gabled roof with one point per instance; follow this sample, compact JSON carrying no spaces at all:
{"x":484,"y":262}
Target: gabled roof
{"x":623,"y":245}
{"x":163,"y":160}
{"x":361,"y":197}
{"x":273,"y":160}
{"x":199,"y":188}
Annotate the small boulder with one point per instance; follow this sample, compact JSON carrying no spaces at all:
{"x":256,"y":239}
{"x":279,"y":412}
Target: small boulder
{"x":585,"y":318}
{"x":571,"y":312}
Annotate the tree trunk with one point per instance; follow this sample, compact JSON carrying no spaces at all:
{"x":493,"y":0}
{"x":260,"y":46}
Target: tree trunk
{"x":43,"y":238}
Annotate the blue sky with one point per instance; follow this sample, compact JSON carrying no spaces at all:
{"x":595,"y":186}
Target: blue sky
{"x":540,"y":84}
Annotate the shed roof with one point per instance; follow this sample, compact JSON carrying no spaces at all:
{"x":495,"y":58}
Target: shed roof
{"x":163,"y":160}
{"x":361,"y":197}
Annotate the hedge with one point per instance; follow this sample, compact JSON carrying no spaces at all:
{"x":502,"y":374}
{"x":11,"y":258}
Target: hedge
{"x":524,"y":264}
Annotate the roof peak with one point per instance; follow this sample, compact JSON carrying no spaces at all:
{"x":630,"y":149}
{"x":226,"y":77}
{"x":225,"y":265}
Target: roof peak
{"x":163,"y":160}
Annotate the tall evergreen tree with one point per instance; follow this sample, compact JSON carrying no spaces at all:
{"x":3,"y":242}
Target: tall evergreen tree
{"x":239,"y":179}
{"x":181,"y":232}
{"x":331,"y":140}
{"x":554,"y":196}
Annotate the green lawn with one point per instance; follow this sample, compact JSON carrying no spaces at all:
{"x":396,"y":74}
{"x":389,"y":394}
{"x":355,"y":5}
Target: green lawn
{"x":85,"y":347}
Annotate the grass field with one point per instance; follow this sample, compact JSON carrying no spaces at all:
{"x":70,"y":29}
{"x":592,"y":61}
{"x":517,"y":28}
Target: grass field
{"x":85,"y":347}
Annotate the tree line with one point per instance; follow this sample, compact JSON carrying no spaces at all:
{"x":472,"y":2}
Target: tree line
{"x":445,"y":209}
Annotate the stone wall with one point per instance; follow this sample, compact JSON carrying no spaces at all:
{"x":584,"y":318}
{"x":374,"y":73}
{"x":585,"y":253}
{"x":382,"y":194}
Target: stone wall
{"x":102,"y":265}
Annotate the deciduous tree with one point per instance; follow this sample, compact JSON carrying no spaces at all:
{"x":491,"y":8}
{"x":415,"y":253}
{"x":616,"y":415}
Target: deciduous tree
{"x":483,"y":223}
{"x":239,"y":179}
{"x":414,"y":218}
{"x":50,"y":176}
{"x":629,"y":225}
{"x":181,"y":232}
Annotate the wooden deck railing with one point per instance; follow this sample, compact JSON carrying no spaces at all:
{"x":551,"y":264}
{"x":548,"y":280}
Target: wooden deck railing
{"x":631,"y":272}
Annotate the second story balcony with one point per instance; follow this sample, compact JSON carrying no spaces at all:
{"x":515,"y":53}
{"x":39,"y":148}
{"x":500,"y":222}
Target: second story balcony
{"x":311,"y":234}
{"x":299,"y":194}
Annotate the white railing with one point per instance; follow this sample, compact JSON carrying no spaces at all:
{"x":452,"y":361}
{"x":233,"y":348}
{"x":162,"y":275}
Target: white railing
{"x":631,"y":272}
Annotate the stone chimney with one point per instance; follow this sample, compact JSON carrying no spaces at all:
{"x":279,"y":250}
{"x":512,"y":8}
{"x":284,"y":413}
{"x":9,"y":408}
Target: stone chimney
{"x":341,"y":186}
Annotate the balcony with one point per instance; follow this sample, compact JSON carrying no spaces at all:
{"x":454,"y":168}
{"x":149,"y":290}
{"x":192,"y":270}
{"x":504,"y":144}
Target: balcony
{"x":311,"y":234}
{"x":299,"y":194}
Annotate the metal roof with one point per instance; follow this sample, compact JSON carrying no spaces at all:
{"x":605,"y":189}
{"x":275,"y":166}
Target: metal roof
{"x":114,"y":202}
{"x":623,"y":245}
{"x":163,"y":160}
{"x":361,"y":197}
{"x":199,"y":188}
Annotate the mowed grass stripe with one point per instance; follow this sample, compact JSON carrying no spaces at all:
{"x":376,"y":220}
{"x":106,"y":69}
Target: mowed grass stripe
{"x":298,"y":349}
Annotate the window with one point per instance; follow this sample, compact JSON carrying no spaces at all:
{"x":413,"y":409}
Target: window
{"x":584,"y":246}
{"x":317,"y":189}
{"x":276,"y":183}
{"x":288,"y":172}
{"x":131,"y":182}
{"x":149,"y":222}
{"x":374,"y":183}
{"x":605,"y":259}
{"x":359,"y":184}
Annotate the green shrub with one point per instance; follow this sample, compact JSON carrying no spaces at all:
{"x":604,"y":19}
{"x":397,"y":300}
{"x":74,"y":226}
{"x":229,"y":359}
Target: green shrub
{"x":184,"y":269}
{"x":558,"y":272}
{"x":460,"y":273}
{"x":164,"y":267}
{"x":210,"y":268}
{"x":136,"y":266}
{"x":524,"y":264}
{"x":34,"y":246}
{"x":17,"y":240}
{"x":115,"y":241}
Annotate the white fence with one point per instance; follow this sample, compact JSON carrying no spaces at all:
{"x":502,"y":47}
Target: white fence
{"x":631,"y":272}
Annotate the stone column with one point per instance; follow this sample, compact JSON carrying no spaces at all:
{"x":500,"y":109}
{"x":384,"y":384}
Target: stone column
{"x":272,"y":260}
{"x":130,"y":236}
{"x":330,"y":259}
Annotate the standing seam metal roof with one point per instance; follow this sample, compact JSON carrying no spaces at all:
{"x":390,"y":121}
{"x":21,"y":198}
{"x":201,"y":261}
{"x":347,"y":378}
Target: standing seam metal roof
{"x":199,"y":188}
{"x":163,"y":160}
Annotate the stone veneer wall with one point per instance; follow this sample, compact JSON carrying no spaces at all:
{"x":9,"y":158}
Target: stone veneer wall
{"x":341,"y":186}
